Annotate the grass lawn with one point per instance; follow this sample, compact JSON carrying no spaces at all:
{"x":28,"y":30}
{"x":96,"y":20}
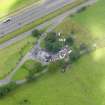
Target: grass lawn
{"x":24,"y":70}
{"x":83,"y":84}
{"x":93,"y":19}
{"x":11,"y":55}
{"x":89,"y":26}
{"x":8,"y":6}
{"x":80,"y":34}
{"x":20,"y":74}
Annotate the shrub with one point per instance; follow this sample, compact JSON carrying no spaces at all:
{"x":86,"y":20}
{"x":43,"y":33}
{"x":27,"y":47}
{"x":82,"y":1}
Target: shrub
{"x":4,"y":90}
{"x":75,"y":54}
{"x":83,"y":46}
{"x":52,"y":43}
{"x":33,"y":68}
{"x":36,"y":33}
{"x":69,"y":41}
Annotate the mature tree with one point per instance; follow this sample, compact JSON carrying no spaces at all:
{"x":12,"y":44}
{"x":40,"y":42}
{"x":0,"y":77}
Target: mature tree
{"x":36,"y":33}
{"x":51,"y":37}
{"x":4,"y":90}
{"x":56,"y":46}
{"x":35,"y":67}
{"x":70,"y":41}
{"x":82,"y":9}
{"x":75,"y":54}
{"x":83,"y":46}
{"x":52,"y":43}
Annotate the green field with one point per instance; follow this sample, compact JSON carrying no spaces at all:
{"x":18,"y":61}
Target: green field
{"x":80,"y":34}
{"x":83,"y":84}
{"x":93,"y":19}
{"x":10,"y":56}
{"x":88,"y":26}
{"x":10,"y":6}
{"x":23,"y":72}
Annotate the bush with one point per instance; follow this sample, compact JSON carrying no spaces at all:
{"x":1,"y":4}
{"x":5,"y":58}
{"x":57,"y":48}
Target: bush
{"x":83,"y":46}
{"x":53,"y":67}
{"x":52,"y":43}
{"x":82,"y":9}
{"x":36,"y":33}
{"x":69,"y":41}
{"x":75,"y":54}
{"x":33,"y":68}
{"x":58,"y":65}
{"x":4,"y":90}
{"x":63,"y":65}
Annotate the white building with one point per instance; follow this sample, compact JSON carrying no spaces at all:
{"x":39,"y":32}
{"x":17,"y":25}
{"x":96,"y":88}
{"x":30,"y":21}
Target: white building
{"x":61,"y":54}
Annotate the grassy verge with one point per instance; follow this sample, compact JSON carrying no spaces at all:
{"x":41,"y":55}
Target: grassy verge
{"x":39,"y":21}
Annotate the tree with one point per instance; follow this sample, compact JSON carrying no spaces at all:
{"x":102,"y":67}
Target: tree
{"x":63,"y":65}
{"x":56,"y":46}
{"x":36,"y":67}
{"x":4,"y":90}
{"x":53,"y":67}
{"x":83,"y":46}
{"x":75,"y":54}
{"x":36,"y":33}
{"x":51,"y":37}
{"x":82,"y":9}
{"x":52,"y":43}
{"x":69,"y":41}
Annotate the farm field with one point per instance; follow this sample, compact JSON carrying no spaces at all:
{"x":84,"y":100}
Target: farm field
{"x":8,"y":6}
